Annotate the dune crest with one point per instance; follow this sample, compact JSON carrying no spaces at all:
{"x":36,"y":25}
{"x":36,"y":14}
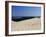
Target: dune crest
{"x":30,"y":24}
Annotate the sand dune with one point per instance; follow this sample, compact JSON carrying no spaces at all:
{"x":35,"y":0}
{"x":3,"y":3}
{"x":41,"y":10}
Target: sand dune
{"x":30,"y":24}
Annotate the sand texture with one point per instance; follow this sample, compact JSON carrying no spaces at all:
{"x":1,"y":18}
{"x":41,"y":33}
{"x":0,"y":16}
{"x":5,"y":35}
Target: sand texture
{"x":25,"y":25}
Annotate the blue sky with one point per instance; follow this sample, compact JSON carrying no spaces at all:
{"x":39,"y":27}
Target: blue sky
{"x":26,"y":11}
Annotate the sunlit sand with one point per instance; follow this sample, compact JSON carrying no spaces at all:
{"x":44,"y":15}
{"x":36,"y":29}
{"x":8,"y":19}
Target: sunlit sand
{"x":25,"y":25}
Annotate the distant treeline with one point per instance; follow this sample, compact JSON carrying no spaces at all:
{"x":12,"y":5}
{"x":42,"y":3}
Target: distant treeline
{"x":22,"y":18}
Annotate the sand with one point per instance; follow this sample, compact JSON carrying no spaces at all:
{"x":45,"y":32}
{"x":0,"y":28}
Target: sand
{"x":25,"y":25}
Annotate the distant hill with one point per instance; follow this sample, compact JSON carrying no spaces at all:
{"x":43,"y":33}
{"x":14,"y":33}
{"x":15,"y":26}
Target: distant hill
{"x":22,"y":18}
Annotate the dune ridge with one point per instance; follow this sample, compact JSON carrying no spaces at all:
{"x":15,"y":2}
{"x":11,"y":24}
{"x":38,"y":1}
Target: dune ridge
{"x":25,"y":25}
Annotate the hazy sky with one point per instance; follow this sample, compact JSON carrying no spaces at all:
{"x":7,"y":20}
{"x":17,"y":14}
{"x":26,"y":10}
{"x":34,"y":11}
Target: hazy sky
{"x":26,"y":11}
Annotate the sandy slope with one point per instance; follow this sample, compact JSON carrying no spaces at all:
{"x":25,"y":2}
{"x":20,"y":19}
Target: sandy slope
{"x":30,"y":24}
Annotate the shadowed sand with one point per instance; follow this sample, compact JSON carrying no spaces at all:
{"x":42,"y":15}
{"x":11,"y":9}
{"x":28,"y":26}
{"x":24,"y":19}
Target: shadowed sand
{"x":30,"y":24}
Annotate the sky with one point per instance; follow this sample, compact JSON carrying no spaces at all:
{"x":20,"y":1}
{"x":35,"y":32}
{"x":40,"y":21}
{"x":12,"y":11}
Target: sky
{"x":22,"y":11}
